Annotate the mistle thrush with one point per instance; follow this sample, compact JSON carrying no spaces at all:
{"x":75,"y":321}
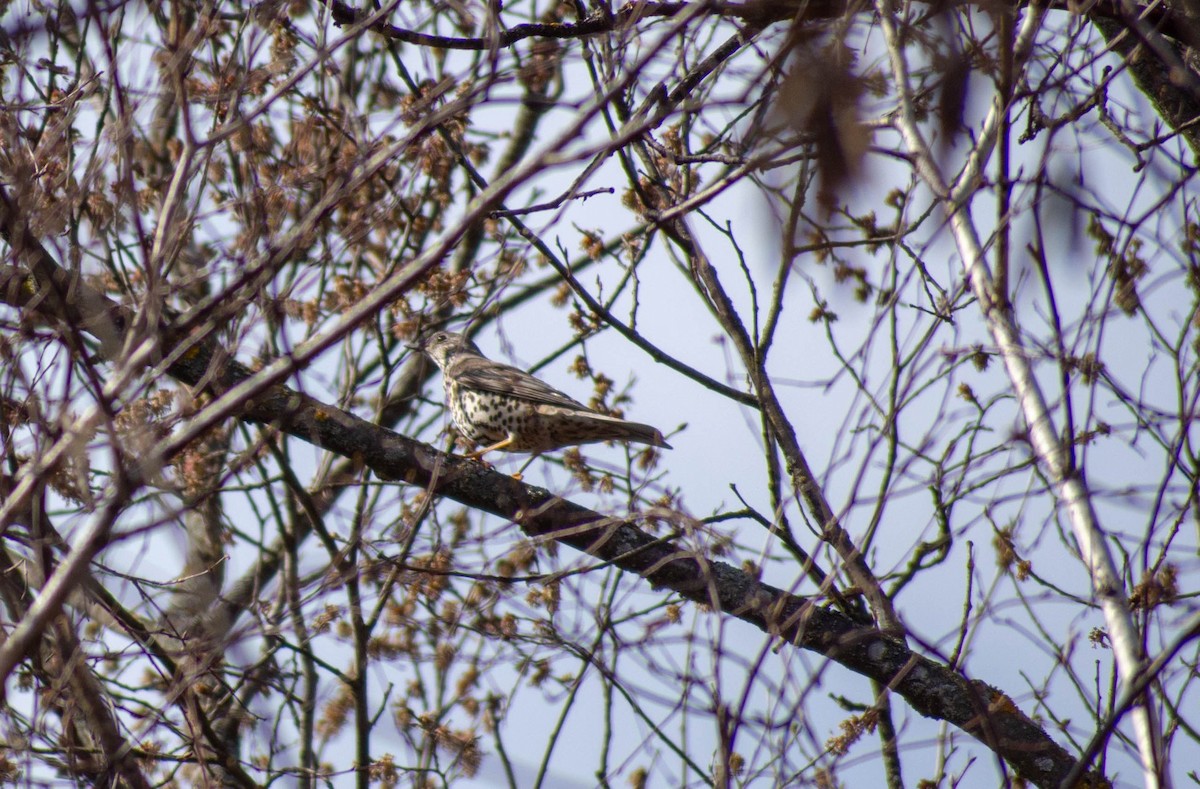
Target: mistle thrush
{"x":505,"y":408}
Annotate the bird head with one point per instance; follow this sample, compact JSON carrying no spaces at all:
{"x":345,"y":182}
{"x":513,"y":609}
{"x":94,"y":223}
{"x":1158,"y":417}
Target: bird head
{"x":442,"y":346}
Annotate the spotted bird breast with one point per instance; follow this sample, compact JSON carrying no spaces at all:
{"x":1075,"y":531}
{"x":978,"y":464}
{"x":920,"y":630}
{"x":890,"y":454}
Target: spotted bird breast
{"x":480,"y":416}
{"x":487,"y":418}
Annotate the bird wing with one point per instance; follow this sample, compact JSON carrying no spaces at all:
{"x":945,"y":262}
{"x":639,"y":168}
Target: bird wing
{"x":477,"y":372}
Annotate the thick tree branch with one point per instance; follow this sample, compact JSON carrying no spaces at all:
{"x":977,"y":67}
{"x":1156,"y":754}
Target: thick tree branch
{"x":930,"y":688}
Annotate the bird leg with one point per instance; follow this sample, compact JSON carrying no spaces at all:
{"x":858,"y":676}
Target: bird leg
{"x":521,"y":471}
{"x":477,"y":454}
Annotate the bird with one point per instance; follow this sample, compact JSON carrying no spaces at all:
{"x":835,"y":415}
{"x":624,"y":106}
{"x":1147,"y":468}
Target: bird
{"x":507,"y":409}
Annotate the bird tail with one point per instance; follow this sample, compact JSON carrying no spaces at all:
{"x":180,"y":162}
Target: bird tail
{"x":632,"y":431}
{"x":646,"y":434}
{"x":584,"y":426}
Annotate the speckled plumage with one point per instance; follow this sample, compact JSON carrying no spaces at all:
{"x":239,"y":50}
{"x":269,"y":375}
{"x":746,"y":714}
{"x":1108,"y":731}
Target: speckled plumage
{"x":505,"y":408}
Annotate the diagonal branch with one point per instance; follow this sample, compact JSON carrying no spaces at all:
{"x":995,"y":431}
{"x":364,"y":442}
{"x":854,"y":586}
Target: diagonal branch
{"x":933,"y":689}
